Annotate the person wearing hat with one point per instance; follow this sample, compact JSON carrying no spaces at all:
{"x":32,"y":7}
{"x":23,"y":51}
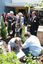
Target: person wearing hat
{"x":32,"y":44}
{"x":34,"y":24}
{"x":14,"y":43}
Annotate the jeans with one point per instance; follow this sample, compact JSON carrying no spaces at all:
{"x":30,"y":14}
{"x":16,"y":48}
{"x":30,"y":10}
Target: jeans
{"x":26,"y":51}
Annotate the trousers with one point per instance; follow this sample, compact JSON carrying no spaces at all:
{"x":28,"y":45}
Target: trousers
{"x":26,"y":51}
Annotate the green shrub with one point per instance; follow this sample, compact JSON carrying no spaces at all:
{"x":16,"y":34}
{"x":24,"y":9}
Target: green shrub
{"x":3,"y":33}
{"x":9,"y":58}
{"x":41,"y":52}
{"x":3,"y":29}
{"x":31,"y":60}
{"x":1,"y":50}
{"x":23,"y":31}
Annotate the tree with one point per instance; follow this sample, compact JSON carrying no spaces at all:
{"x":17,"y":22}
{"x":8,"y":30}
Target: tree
{"x":40,"y":3}
{"x":3,"y":29}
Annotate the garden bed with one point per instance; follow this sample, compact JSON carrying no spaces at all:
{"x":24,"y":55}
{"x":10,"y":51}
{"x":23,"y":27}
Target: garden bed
{"x":5,"y":44}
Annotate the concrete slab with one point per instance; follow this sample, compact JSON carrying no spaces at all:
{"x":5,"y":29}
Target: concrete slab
{"x":19,"y":54}
{"x":40,"y":34}
{"x":40,"y":28}
{"x":1,"y":43}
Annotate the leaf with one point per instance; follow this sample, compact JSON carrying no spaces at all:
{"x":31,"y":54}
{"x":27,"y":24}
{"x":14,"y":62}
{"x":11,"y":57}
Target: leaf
{"x":34,"y":61}
{"x":24,"y":59}
{"x":30,"y":5}
{"x":42,"y":4}
{"x":34,"y":57}
{"x":39,"y":1}
{"x":42,"y":1}
{"x":25,"y":4}
{"x":8,"y":58}
{"x":36,"y":3}
{"x":37,"y":57}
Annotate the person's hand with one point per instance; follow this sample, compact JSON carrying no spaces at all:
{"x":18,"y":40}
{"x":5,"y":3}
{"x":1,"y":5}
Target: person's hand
{"x":11,"y":48}
{"x":11,"y":23}
{"x":35,"y":31}
{"x":20,"y":45}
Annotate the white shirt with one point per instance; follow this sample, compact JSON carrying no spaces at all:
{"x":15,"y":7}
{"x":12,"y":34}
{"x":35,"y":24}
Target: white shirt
{"x":34,"y":45}
{"x":34,"y":17}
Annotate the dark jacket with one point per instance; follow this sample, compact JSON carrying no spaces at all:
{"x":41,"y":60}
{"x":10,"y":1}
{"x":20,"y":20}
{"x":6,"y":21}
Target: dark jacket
{"x":9,"y":23}
{"x":34,"y":26}
{"x":27,"y":19}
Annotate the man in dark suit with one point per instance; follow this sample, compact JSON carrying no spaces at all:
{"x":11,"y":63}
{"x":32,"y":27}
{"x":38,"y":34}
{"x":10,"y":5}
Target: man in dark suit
{"x":27,"y":18}
{"x":11,"y":23}
{"x":34,"y":24}
{"x":13,"y":18}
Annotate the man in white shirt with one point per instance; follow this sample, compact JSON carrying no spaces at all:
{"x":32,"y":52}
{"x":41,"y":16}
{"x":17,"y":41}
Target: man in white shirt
{"x":14,"y":43}
{"x":31,"y":44}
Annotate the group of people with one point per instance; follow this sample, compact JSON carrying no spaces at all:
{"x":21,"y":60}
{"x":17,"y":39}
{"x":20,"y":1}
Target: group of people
{"x":31,"y":44}
{"x":15,"y":24}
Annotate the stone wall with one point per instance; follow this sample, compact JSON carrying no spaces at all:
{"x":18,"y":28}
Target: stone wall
{"x":40,"y":36}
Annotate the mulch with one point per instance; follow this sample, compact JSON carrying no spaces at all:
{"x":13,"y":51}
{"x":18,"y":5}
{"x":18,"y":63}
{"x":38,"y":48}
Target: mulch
{"x":5,"y":44}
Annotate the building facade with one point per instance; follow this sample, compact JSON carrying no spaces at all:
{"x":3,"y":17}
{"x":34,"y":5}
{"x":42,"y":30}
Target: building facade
{"x":15,"y":5}
{"x":2,"y":5}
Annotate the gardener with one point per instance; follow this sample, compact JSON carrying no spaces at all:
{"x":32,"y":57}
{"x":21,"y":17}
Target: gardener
{"x":14,"y":43}
{"x":32,"y":44}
